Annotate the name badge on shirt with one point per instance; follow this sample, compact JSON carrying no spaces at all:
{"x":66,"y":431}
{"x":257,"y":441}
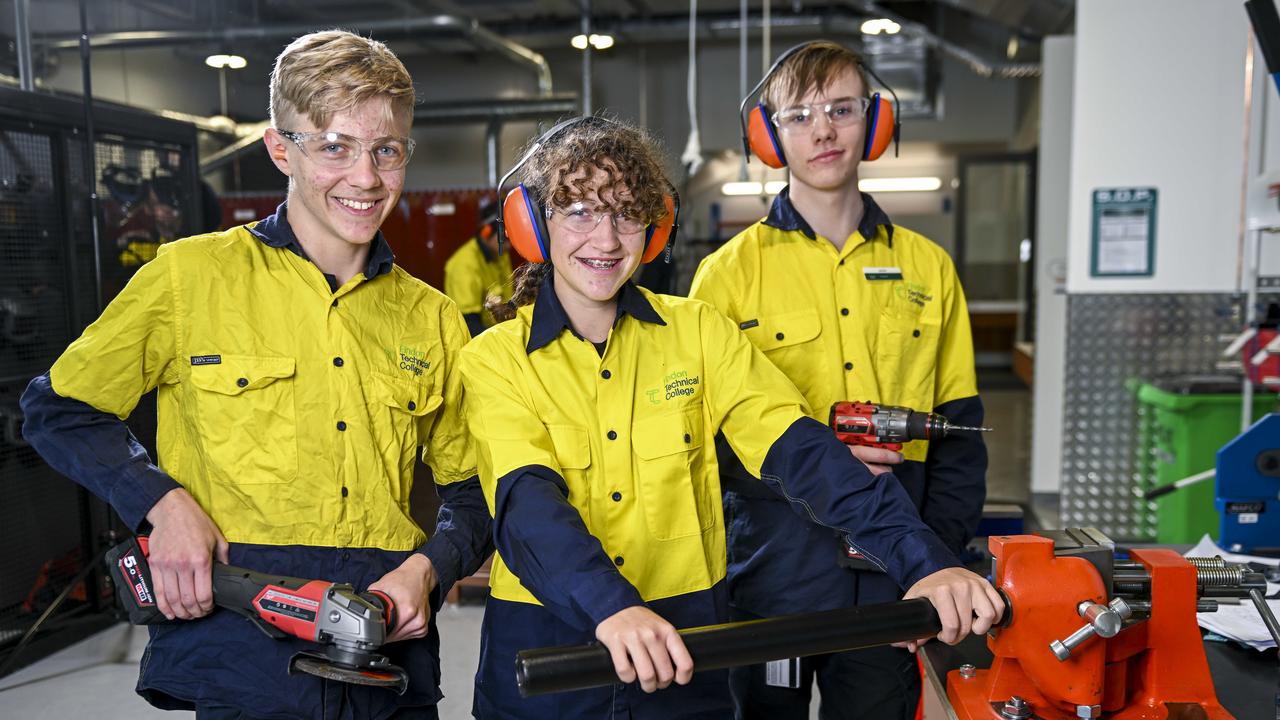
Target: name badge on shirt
{"x":206,"y":359}
{"x":882,"y":273}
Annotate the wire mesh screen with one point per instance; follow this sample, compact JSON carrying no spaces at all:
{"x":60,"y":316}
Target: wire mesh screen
{"x":41,"y":533}
{"x":51,"y":286}
{"x":42,"y":527}
{"x":34,"y":320}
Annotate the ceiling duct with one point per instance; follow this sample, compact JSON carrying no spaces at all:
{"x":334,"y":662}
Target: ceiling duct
{"x":410,"y":28}
{"x":828,"y":21}
{"x":1037,"y":18}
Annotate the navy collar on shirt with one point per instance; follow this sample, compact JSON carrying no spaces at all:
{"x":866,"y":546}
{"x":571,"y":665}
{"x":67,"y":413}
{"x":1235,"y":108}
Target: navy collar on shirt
{"x":275,"y":231}
{"x":550,"y":318}
{"x":784,"y":216}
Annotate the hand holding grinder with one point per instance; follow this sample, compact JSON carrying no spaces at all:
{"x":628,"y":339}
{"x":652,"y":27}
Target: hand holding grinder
{"x":347,"y":626}
{"x":888,"y":426}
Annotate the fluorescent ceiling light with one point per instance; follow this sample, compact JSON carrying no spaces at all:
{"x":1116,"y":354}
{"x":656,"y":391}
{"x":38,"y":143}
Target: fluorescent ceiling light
{"x":880,"y":25}
{"x":599,"y":42}
{"x":773,"y":187}
{"x":741,"y":188}
{"x":899,"y":184}
{"x":234,"y":62}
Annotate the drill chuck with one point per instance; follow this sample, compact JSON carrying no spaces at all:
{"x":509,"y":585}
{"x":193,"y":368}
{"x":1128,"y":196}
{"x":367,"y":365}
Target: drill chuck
{"x":871,"y":424}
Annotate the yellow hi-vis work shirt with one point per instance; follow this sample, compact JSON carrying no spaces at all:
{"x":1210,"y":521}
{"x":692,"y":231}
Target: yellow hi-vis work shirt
{"x":600,"y":470}
{"x":471,"y":275}
{"x":290,"y":411}
{"x":882,"y":320}
{"x":630,"y":432}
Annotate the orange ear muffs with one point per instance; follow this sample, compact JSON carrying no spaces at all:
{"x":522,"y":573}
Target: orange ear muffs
{"x":759,"y":136}
{"x":524,"y":225}
{"x":763,"y":139}
{"x":657,"y":237}
{"x":882,"y":128}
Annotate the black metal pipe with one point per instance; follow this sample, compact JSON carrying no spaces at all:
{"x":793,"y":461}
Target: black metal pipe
{"x":559,"y":669}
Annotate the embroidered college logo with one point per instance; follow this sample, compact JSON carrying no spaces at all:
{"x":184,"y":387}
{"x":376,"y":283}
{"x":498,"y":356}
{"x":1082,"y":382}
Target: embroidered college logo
{"x":914,"y":293}
{"x":411,"y":360}
{"x":674,"y":385}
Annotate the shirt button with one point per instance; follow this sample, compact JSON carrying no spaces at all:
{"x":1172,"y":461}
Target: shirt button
{"x":337,"y":362}
{"x":841,"y":261}
{"x":412,"y":406}
{"x":612,"y":435}
{"x":848,"y":366}
{"x":333,"y":304}
{"x":779,"y":336}
{"x":344,"y":492}
{"x":618,"y":561}
{"x":341,"y":426}
{"x":687,"y":439}
{"x":844,"y":311}
{"x":242,"y":382}
{"x":617,"y":497}
{"x":915,"y":333}
{"x":606,"y":374}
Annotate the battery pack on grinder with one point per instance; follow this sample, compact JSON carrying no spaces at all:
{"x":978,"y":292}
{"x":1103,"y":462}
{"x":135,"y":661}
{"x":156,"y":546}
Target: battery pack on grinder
{"x":127,"y":563}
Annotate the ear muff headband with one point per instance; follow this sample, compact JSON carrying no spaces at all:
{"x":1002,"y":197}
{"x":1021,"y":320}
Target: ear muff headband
{"x":760,"y":138}
{"x":523,"y":220}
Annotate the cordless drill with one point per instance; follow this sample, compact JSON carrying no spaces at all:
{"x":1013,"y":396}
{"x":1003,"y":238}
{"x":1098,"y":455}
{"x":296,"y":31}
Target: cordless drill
{"x":888,"y":426}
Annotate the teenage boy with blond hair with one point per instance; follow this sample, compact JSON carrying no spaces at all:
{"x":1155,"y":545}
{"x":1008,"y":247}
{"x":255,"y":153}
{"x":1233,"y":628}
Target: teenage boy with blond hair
{"x":299,"y":370}
{"x":850,"y":307}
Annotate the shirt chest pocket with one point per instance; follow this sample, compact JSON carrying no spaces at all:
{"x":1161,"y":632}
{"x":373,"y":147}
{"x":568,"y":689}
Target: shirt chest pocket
{"x":573,"y":455}
{"x":670,"y":474}
{"x":400,"y":406}
{"x":781,"y":331}
{"x":907,"y":356}
{"x":245,"y":418}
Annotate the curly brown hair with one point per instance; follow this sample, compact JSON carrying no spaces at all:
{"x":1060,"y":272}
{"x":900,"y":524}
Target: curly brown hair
{"x":635,"y":183}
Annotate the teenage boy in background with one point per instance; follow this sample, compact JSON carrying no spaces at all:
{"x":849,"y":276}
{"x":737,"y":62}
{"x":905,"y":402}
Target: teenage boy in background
{"x":850,"y":307}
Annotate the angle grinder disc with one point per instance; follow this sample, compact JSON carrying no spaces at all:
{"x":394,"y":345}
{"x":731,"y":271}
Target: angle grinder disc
{"x":388,"y":676}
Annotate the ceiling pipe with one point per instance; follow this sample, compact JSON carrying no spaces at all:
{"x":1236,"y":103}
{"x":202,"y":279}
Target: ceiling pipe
{"x":833,"y":21}
{"x":405,"y":27}
{"x":250,"y":136}
{"x":503,"y":109}
{"x":22,"y":35}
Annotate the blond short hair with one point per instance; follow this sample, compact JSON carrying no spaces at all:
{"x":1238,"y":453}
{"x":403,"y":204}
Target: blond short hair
{"x":324,"y":73}
{"x":813,"y":67}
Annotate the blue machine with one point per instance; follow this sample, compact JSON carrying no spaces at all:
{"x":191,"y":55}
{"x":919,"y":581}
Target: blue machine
{"x":1248,"y":489}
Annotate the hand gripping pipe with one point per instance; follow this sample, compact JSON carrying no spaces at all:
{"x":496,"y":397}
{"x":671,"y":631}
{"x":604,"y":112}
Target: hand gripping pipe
{"x":714,"y":647}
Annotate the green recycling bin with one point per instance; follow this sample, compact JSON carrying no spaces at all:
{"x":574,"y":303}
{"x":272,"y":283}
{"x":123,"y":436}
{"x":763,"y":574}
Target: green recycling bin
{"x":1191,"y":417}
